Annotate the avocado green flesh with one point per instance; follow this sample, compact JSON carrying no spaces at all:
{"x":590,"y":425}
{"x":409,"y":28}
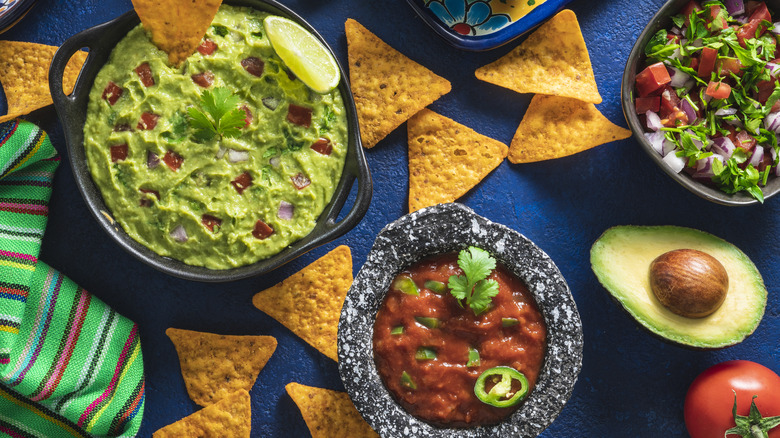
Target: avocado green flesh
{"x":202,"y":185}
{"x":621,"y":259}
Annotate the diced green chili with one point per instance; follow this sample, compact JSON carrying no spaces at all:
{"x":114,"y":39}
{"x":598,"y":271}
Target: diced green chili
{"x":406,"y":285}
{"x":436,"y":287}
{"x":428,"y":321}
{"x":397,"y":330}
{"x":425,"y":353}
{"x":509,"y":322}
{"x":473,"y":358}
{"x":501,"y":394}
{"x":407,"y":382}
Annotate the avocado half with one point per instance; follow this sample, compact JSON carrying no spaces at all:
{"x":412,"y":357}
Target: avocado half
{"x":621,"y":259}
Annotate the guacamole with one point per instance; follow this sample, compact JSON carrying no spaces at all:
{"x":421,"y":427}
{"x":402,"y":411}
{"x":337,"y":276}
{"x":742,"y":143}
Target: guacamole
{"x":228,"y":200}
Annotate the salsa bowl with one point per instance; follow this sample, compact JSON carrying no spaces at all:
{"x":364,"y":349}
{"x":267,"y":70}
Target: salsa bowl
{"x":72,"y":111}
{"x":442,"y":229}
{"x":635,"y":64}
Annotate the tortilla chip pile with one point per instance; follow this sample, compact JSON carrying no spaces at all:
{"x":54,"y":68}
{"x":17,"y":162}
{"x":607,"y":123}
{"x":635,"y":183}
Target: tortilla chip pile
{"x":229,"y":417}
{"x":214,"y":366}
{"x":328,"y":413}
{"x":309,"y":302}
{"x":553,"y":61}
{"x":24,"y":74}
{"x":176,"y":26}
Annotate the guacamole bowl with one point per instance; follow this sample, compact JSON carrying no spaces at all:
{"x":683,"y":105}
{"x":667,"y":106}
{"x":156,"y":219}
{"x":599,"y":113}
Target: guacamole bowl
{"x":325,"y":221}
{"x":439,"y":230}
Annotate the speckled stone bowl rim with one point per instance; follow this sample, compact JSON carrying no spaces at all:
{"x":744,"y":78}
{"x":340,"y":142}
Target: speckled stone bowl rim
{"x":442,"y":229}
{"x":662,"y":20}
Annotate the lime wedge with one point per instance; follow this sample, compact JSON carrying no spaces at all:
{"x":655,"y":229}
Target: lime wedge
{"x":303,"y":53}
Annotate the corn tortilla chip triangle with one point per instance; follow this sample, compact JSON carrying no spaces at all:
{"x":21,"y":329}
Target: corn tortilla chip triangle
{"x":553,"y":60}
{"x":329,"y":413}
{"x":447,"y":159}
{"x":214,"y":366}
{"x":309,"y":302}
{"x":24,"y":74}
{"x":388,"y":87}
{"x":555,"y":127}
{"x":229,"y":417}
{"x":177,"y":26}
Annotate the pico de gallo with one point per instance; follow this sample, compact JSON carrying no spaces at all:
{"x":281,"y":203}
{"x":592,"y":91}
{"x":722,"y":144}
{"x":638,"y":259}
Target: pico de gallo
{"x":710,"y":94}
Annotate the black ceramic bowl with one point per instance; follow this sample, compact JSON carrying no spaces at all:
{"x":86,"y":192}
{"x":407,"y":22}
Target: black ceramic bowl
{"x":72,"y":109}
{"x":12,"y":11}
{"x":635,"y":64}
{"x":442,"y":229}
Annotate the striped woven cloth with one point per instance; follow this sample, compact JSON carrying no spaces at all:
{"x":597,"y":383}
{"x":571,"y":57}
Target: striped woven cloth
{"x":70,"y":366}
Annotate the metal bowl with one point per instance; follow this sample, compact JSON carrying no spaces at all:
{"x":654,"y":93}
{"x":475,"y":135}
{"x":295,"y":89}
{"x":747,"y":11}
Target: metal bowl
{"x":662,"y":20}
{"x":72,"y":109}
{"x":442,"y":229}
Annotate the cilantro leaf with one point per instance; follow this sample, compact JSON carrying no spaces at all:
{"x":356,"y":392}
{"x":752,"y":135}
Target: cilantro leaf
{"x":221,"y":116}
{"x":473,"y":286}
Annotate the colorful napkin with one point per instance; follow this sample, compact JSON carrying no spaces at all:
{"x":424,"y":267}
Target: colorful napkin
{"x":70,"y":366}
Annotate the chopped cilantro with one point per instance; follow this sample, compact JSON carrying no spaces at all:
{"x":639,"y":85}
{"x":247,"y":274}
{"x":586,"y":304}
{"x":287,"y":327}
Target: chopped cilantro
{"x":219,"y":30}
{"x":224,"y":118}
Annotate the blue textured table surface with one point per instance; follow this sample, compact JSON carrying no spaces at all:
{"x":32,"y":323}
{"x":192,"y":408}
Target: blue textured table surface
{"x":632,"y":384}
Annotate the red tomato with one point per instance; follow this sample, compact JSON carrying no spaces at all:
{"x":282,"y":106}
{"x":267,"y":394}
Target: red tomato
{"x":710,"y":398}
{"x":718,"y":90}
{"x":707,"y":62}
{"x":652,"y":79}
{"x":754,"y":28}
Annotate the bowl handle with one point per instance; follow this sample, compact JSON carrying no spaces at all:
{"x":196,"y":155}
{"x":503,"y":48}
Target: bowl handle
{"x":358,"y":170}
{"x":60,"y":61}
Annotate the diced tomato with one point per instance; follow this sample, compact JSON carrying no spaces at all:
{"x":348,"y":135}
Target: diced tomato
{"x":765,"y":162}
{"x":694,"y":63}
{"x":675,"y":39}
{"x":300,"y":115}
{"x":761,"y":12}
{"x":254,"y":66}
{"x":173,"y":160}
{"x":123,"y":127}
{"x":745,"y":141}
{"x":207,"y":47}
{"x":150,"y":191}
{"x":204,"y":79}
{"x":210,"y":222}
{"x":249,"y":117}
{"x":145,"y":201}
{"x":715,"y":18}
{"x":765,"y":89}
{"x":730,"y":65}
{"x":323,"y":146}
{"x":148,"y":121}
{"x":242,"y":182}
{"x":112,"y":92}
{"x":707,"y":62}
{"x":751,"y":6}
{"x":300,"y":181}
{"x":145,"y":73}
{"x":262,"y":230}
{"x":718,"y":90}
{"x":669,"y":102}
{"x":675,"y":118}
{"x":754,"y":27}
{"x":650,"y":80}
{"x":688,"y":9}
{"x":118,"y":153}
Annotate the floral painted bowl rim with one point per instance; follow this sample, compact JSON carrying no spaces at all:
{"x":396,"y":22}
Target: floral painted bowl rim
{"x":15,"y":11}
{"x":491,"y":40}
{"x":442,"y":229}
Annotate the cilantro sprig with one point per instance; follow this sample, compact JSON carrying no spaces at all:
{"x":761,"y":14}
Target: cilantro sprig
{"x":474,"y":287}
{"x":220,"y":116}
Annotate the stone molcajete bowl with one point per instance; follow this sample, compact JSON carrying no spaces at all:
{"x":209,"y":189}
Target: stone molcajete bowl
{"x":442,"y":229}
{"x":72,"y":109}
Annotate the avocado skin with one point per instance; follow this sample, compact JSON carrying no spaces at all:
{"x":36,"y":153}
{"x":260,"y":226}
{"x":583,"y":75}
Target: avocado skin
{"x":621,"y":257}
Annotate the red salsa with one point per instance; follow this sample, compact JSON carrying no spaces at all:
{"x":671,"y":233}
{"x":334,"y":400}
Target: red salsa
{"x":430,"y":351}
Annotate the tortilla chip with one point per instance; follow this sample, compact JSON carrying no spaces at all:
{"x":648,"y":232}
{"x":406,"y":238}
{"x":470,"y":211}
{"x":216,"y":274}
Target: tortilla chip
{"x":229,"y":417}
{"x":24,"y":74}
{"x":329,"y":413}
{"x":555,"y":127}
{"x":214,"y":366}
{"x":388,"y":87}
{"x":447,"y":159}
{"x":553,"y":60}
{"x":309,"y":302}
{"x":177,"y":26}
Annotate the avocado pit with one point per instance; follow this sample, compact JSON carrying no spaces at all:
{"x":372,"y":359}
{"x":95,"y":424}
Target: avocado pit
{"x":689,"y":282}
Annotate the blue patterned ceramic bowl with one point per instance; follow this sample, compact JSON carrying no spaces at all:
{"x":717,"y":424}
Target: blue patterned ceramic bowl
{"x":484,"y":24}
{"x":11,"y":11}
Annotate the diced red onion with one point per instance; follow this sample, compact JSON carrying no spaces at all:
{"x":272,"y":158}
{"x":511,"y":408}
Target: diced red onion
{"x":235,"y":156}
{"x":286,"y":210}
{"x":152,"y":160}
{"x":271,"y":103}
{"x":704,"y":169}
{"x":697,"y":43}
{"x":679,"y":78}
{"x":695,"y":139}
{"x":725,"y":112}
{"x":653,"y":121}
{"x":736,"y":122}
{"x":656,"y":140}
{"x":179,"y":234}
{"x":772,"y":122}
{"x":668,"y":146}
{"x":741,"y":19}
{"x":723,"y":146}
{"x":675,"y":30}
{"x":674,"y":162}
{"x":734,"y":7}
{"x":274,"y":161}
{"x":221,"y":152}
{"x":776,"y":28}
{"x":757,"y":157}
{"x":689,"y":84}
{"x":774,"y":69}
{"x":689,"y":111}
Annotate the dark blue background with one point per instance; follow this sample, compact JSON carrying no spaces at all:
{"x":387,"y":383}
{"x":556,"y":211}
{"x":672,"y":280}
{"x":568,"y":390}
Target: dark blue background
{"x":632,"y":384}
